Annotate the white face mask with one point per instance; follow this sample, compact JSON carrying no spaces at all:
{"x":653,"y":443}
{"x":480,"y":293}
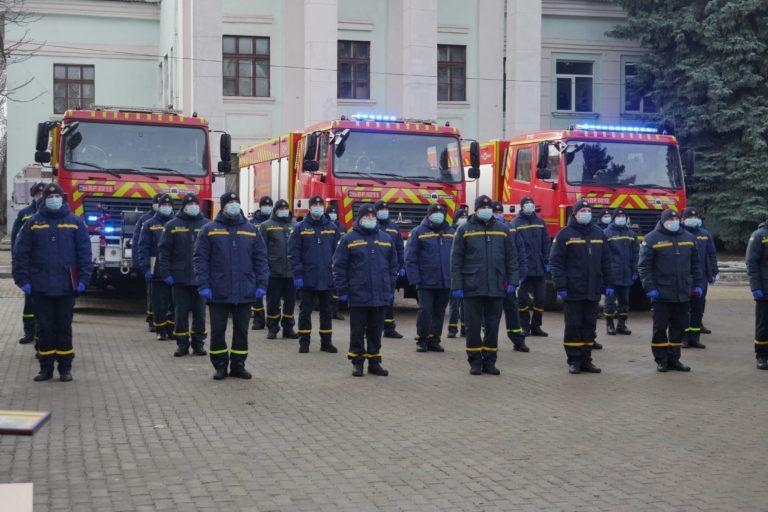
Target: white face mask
{"x":266,"y":210}
{"x":317,"y":211}
{"x":606,"y":219}
{"x":584,"y":217}
{"x":382,"y":214}
{"x":692,"y":222}
{"x":192,"y":210}
{"x":232,"y":209}
{"x":529,"y":208}
{"x":283,"y":213}
{"x":333,"y":216}
{"x":672,"y":225}
{"x":368,"y":223}
{"x":620,"y":221}
{"x":166,"y":210}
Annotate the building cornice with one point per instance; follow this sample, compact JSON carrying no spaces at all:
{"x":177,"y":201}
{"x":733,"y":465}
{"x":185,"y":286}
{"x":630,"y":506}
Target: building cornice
{"x":356,"y":25}
{"x":85,"y":51}
{"x":582,"y":8}
{"x":250,"y":20}
{"x":100,"y":9}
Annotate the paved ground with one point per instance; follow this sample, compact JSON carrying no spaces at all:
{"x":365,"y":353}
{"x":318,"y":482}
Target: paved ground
{"x":140,"y":430}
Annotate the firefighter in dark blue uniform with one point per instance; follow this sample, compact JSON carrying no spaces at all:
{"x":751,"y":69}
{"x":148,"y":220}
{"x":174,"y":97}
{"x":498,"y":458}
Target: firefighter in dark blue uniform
{"x":670,"y":273}
{"x":581,"y":272}
{"x":533,"y":230}
{"x":281,"y":292}
{"x":757,"y":270}
{"x":606,"y":217}
{"x":174,"y":268}
{"x":263,"y":214}
{"x":149,"y":240}
{"x":428,"y":265}
{"x":623,"y":249}
{"x":28,"y":314}
{"x":456,"y":305}
{"x":483,"y":272}
{"x":53,"y":262}
{"x":391,"y":228}
{"x":230,"y":262}
{"x":365,"y":269}
{"x":311,"y":248}
{"x":705,"y":245}
{"x":511,"y":309}
{"x":135,"y":255}
{"x":332,"y":212}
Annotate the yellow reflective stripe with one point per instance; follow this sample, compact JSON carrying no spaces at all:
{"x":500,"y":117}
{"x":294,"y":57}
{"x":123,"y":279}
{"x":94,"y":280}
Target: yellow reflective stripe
{"x":595,"y":241}
{"x":660,"y":345}
{"x":474,"y":349}
{"x":180,"y":230}
{"x":40,"y":226}
{"x":540,"y":310}
{"x":199,"y":332}
{"x":156,"y":228}
{"x":308,"y":232}
{"x":257,"y":309}
{"x":522,"y":310}
{"x":661,"y":244}
{"x":274,"y":316}
{"x":515,"y":331}
{"x":575,"y":241}
{"x":47,"y":353}
{"x":356,"y":244}
{"x":371,"y":356}
{"x":428,"y":235}
{"x":67,"y":226}
{"x":326,"y":331}
{"x":686,"y":243}
{"x":215,"y":232}
{"x":25,"y":217}
{"x":328,"y":232}
{"x":761,"y":342}
{"x":675,"y":344}
{"x":238,"y":352}
{"x":246,"y":233}
{"x":352,"y":354}
{"x":217,"y":352}
{"x":702,"y":237}
{"x":287,"y":316}
{"x":611,"y":239}
{"x":181,"y":333}
{"x":529,"y":226}
{"x":28,"y":316}
{"x":489,"y":233}
{"x":693,"y":329}
{"x":575,"y":344}
{"x":383,"y":244}
{"x":305,"y":331}
{"x":489,"y":349}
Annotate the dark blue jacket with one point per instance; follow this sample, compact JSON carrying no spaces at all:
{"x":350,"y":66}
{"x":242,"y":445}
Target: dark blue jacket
{"x":705,"y":244}
{"x":365,"y":267}
{"x":21,"y":218}
{"x":51,"y":250}
{"x":580,"y":262}
{"x":230,"y":258}
{"x":276,"y":233}
{"x":310,"y":251}
{"x":623,"y":250}
{"x":428,"y":255}
{"x":136,"y":234}
{"x":149,"y":241}
{"x":175,"y":249}
{"x":757,"y":260}
{"x":669,"y":263}
{"x":522,"y":256}
{"x":393,"y":230}
{"x":533,"y":230}
{"x":258,"y":217}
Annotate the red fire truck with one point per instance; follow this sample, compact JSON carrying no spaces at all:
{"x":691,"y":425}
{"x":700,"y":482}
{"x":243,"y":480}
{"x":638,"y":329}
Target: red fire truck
{"x":111,"y":161}
{"x":635,"y":168}
{"x":366,"y":158}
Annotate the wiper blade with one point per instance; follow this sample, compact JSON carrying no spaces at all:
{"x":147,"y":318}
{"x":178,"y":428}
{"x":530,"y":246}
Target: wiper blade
{"x":96,"y":166}
{"x":398,"y":176}
{"x":370,"y":176}
{"x":168,"y":169}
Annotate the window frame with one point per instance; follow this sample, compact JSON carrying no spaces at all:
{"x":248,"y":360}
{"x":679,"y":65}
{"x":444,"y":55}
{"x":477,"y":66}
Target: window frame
{"x":572,"y":78}
{"x":254,"y":58}
{"x":353,"y":60}
{"x":518,"y":151}
{"x":451,"y":65}
{"x":66,"y":81}
{"x":625,"y":93}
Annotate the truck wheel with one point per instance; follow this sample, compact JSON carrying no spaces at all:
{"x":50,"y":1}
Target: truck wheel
{"x":637,"y":298}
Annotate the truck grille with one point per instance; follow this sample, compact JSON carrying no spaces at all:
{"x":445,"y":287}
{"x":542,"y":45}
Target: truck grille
{"x":643,"y":222}
{"x":406,"y":215}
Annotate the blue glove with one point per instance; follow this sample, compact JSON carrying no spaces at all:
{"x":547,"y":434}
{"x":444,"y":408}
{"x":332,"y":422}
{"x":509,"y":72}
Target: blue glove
{"x":757,"y":294}
{"x":80,"y":287}
{"x":260,"y":293}
{"x":653,"y":294}
{"x":458,"y":294}
{"x":609,"y":292}
{"x":562,"y":294}
{"x":634,"y":277}
{"x":401,"y":273}
{"x":343,"y":298}
{"x":168,"y":280}
{"x":298,"y":283}
{"x":148,"y":276}
{"x":712,"y":279}
{"x":27,"y":289}
{"x":510,"y":289}
{"x":391,"y":297}
{"x":206,"y":293}
{"x":548,"y":267}
{"x":697,"y":292}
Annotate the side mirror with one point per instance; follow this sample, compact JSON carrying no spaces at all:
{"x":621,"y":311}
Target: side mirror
{"x":310,"y":150}
{"x":225,"y":147}
{"x":474,"y":160}
{"x":543,"y":155}
{"x":43,"y":133}
{"x":224,"y":167}
{"x":310,"y":166}
{"x":42,"y":157}
{"x":689,"y":161}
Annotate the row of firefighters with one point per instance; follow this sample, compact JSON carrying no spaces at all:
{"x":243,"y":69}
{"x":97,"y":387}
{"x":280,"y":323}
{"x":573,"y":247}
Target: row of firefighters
{"x":481,"y":265}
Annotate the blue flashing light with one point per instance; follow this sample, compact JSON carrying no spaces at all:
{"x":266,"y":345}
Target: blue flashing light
{"x":92,"y":218}
{"x":613,"y":128}
{"x":109,"y":229}
{"x":372,"y":117}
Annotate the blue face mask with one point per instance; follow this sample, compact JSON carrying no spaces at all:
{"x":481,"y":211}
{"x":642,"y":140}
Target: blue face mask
{"x":692,"y":222}
{"x":672,"y":225}
{"x":155,"y":207}
{"x":317,"y":211}
{"x":584,"y":217}
{"x":232,"y":209}
{"x":266,"y":210}
{"x":382,"y":214}
{"x":54,"y":203}
{"x":283,"y":213}
{"x":605,"y":219}
{"x":437,"y":218}
{"x":193,"y":210}
{"x":485,"y":213}
{"x":529,"y":208}
{"x":620,"y":221}
{"x":333,"y":216}
{"x":165,"y":210}
{"x":368,"y":223}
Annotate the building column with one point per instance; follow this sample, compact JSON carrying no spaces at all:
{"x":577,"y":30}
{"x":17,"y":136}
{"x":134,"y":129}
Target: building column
{"x":490,"y":51}
{"x":523,"y":51}
{"x":320,"y":59}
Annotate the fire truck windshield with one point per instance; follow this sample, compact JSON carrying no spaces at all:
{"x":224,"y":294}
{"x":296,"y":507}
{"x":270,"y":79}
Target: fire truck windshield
{"x":398,"y":155}
{"x":622,"y":164}
{"x":137,"y":148}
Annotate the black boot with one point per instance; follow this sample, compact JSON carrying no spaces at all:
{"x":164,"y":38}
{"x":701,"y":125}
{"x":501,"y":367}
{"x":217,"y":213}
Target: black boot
{"x":182,"y":347}
{"x":290,"y":334}
{"x":238,"y":371}
{"x":303,"y":347}
{"x":434,"y":345}
{"x":328,"y":347}
{"x":574,"y":368}
{"x":422,"y":346}
{"x":476,"y":367}
{"x":520,"y":346}
{"x":536,"y":331}
{"x":662,"y":367}
{"x":65,"y":373}
{"x":704,"y":330}
{"x":696,"y":344}
{"x":489,"y":367}
{"x":357,"y":368}
{"x":162,"y":335}
{"x":596,"y":346}
{"x":271,"y":335}
{"x":589,"y":367}
{"x":391,"y":333}
{"x":451,"y":334}
{"x":622,"y":327}
{"x":198,"y":350}
{"x":463,"y":332}
{"x":610,"y":327}
{"x":150,"y":327}
{"x":762,"y":363}
{"x":377,"y":369}
{"x":337,"y":316}
{"x":221,"y":372}
{"x":679,"y":367}
{"x":46,"y":373}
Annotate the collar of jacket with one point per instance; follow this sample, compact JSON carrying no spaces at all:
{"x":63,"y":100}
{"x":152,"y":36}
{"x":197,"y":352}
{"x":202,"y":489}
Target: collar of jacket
{"x":661,"y":229}
{"x":428,"y":224}
{"x":162,"y":218}
{"x":230,"y":221}
{"x":583,"y":228}
{"x":322,"y":221}
{"x":54,"y":214}
{"x":282,"y":220}
{"x":357,"y":227}
{"x":184,"y":216}
{"x":616,"y":227}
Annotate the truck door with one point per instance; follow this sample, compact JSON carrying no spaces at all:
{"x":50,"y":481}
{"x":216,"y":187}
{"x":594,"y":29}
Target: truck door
{"x":545,"y":191}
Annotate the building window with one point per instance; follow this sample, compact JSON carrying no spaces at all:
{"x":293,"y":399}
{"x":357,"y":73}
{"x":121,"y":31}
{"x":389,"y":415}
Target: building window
{"x":246,"y":66}
{"x":451,"y":72}
{"x":634,"y":100}
{"x":73,"y":87}
{"x":354,"y":76}
{"x":574,"y":86}
{"x":523,"y":165}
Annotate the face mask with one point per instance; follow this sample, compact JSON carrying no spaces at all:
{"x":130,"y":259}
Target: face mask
{"x":317,"y":211}
{"x":692,"y":222}
{"x":165,"y":210}
{"x":193,"y":210}
{"x":266,"y":210}
{"x":485,"y":213}
{"x":283,"y":214}
{"x":606,"y":219}
{"x":232,"y":209}
{"x":54,"y":203}
{"x":584,"y":217}
{"x":333,"y":216}
{"x":672,"y":225}
{"x":382,"y":214}
{"x":437,"y":218}
{"x":155,"y":207}
{"x":461,"y":221}
{"x":620,"y":221}
{"x":529,"y":208}
{"x":368,"y":223}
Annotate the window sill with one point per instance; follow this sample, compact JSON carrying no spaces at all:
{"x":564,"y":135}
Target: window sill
{"x":253,"y":100}
{"x":639,"y":115}
{"x":350,"y":102}
{"x":574,"y":115}
{"x":453,"y":104}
